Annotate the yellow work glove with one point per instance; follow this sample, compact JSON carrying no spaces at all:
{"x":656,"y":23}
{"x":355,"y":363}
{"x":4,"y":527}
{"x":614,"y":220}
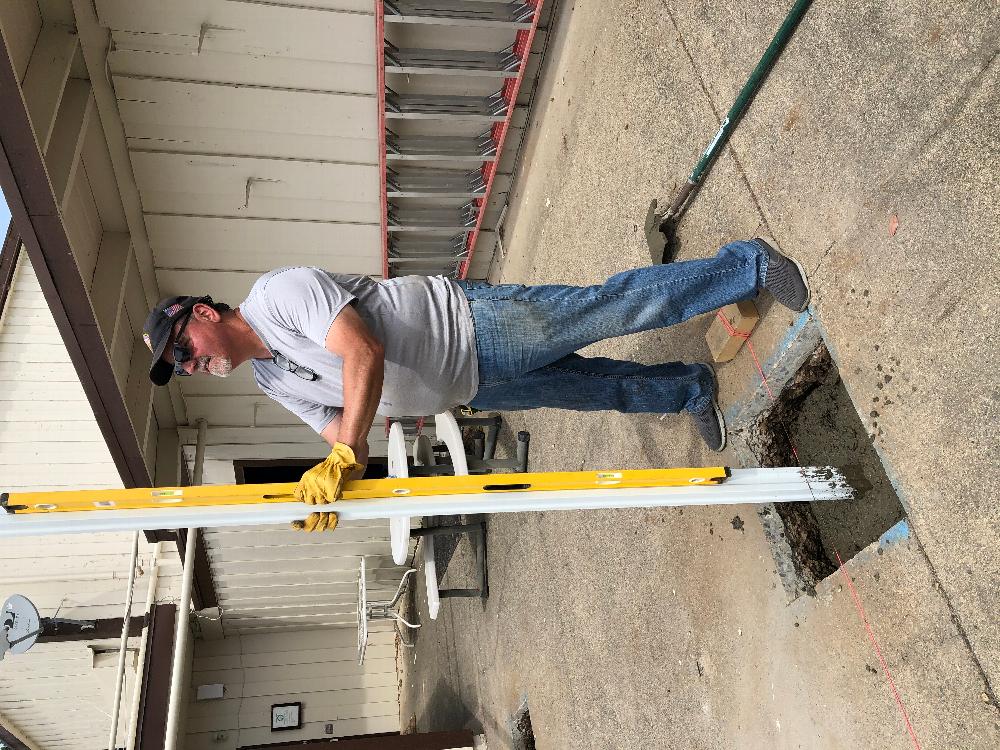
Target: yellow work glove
{"x":323,"y":484}
{"x":317,"y":522}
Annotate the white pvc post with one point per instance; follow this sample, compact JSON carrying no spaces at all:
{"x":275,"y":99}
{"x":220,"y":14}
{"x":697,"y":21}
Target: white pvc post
{"x":123,"y":647}
{"x":180,"y":646}
{"x":183,"y":634}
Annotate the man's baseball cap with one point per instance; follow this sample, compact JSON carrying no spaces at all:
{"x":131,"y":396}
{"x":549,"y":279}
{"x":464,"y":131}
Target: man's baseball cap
{"x":157,"y":331}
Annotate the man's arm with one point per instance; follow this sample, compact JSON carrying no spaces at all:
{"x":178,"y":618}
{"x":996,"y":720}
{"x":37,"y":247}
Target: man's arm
{"x":364,"y":363}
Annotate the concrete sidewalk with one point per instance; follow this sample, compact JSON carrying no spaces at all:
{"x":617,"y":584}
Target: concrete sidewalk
{"x":663,"y":629}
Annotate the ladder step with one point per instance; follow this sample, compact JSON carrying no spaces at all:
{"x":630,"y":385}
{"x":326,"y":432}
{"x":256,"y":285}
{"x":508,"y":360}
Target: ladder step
{"x":503,"y":64}
{"x":476,"y":149}
{"x":430,"y":106}
{"x":442,"y":228}
{"x":413,"y":246}
{"x":434,"y":183}
{"x":414,"y":265}
{"x":513,"y":15}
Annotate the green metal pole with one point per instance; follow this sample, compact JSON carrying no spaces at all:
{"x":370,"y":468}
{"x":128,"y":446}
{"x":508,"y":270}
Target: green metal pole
{"x":734,"y":115}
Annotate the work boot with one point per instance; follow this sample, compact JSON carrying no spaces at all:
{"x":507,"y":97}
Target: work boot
{"x":709,"y":422}
{"x":785,"y":279}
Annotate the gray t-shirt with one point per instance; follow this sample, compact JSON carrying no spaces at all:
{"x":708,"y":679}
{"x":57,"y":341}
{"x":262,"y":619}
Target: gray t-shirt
{"x":424,"y":323}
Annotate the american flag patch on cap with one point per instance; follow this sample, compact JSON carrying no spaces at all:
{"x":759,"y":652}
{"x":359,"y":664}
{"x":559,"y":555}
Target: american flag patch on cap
{"x":172,"y":310}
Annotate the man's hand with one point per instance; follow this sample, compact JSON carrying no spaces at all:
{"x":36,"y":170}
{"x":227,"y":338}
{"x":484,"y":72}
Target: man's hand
{"x":317,"y":522}
{"x":324,"y":483}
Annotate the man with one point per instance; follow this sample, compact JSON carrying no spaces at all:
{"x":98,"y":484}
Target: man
{"x":336,"y":350}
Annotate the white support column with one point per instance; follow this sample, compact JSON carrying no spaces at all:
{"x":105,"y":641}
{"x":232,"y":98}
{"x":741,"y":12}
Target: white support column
{"x":182,"y":638}
{"x":123,"y":646}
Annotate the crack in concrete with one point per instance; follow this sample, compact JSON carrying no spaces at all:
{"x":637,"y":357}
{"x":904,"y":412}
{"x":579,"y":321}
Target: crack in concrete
{"x":988,"y":688}
{"x":959,"y":106}
{"x":826,"y":254}
{"x":718,"y":118}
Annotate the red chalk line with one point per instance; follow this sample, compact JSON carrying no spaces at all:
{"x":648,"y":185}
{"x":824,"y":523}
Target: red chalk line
{"x":854,"y":594}
{"x":878,"y":651}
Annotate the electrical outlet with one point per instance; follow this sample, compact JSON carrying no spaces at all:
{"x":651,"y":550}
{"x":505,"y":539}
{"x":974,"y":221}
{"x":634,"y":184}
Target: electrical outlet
{"x":329,"y":728}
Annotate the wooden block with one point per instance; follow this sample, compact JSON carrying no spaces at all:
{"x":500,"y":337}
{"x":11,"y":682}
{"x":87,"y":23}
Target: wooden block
{"x":742,"y":317}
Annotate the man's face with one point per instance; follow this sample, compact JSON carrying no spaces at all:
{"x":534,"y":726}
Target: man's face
{"x":204,"y":343}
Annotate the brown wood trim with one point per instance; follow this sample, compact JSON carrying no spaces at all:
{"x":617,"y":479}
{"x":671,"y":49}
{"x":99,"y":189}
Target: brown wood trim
{"x":92,"y":630}
{"x":8,"y":262}
{"x":36,"y":214}
{"x":428,"y":741}
{"x":151,"y":723}
{"x":203,"y":586}
{"x":11,"y":741}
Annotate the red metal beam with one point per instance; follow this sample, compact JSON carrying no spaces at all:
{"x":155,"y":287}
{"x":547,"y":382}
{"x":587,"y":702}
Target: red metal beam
{"x":511,"y":87}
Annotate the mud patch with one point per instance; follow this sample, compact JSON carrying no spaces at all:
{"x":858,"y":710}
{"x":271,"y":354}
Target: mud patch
{"x":814,"y":423}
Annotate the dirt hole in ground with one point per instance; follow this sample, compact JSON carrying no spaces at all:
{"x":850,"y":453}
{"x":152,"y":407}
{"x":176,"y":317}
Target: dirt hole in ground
{"x":521,"y":734}
{"x":815,"y":415}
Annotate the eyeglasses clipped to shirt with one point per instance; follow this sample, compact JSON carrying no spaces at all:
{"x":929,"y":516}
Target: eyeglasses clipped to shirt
{"x":298,"y":370}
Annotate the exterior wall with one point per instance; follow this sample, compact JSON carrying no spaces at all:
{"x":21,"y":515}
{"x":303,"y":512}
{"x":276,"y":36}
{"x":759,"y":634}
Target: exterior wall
{"x":318,"y":668}
{"x":48,"y":59}
{"x":49,"y":439}
{"x":59,"y":695}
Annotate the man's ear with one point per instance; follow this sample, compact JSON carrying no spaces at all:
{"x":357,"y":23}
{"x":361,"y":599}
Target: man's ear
{"x":206,"y":313}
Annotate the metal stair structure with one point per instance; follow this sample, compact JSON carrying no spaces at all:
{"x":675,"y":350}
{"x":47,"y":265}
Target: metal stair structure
{"x":448,"y":81}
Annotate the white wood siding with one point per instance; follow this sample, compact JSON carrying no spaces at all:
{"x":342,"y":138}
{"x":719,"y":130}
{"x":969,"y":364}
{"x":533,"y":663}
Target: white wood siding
{"x":277,"y":578}
{"x":57,"y":694}
{"x":49,"y":438}
{"x":318,"y":668}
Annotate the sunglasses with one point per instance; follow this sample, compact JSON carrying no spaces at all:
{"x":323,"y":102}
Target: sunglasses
{"x":182,"y":354}
{"x":288,"y":366}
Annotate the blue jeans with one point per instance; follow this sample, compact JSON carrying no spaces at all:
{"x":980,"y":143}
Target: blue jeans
{"x":526,"y":336}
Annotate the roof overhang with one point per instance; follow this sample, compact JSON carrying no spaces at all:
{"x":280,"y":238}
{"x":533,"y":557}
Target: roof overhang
{"x":36,"y":215}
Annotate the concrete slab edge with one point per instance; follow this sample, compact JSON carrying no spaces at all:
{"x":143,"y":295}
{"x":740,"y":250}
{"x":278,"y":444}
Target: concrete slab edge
{"x":789,"y":355}
{"x":890,"y":473}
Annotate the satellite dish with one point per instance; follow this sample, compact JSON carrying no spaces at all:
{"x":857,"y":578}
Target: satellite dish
{"x":20,"y":625}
